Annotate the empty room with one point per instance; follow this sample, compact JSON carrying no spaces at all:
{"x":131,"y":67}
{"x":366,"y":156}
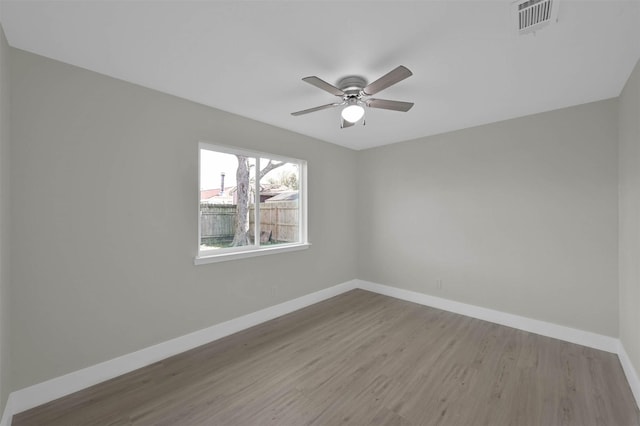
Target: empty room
{"x":320,"y":213}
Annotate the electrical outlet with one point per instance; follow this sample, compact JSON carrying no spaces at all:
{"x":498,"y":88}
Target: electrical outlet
{"x":439,"y":284}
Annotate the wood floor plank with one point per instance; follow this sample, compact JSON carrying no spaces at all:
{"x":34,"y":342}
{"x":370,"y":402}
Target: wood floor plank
{"x":363,"y":358}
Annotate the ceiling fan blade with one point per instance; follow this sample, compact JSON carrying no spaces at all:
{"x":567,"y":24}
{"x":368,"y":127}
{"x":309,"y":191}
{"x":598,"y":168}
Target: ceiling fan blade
{"x":389,"y":79}
{"x":392,"y":105}
{"x":321,"y":84}
{"x":344,"y":123}
{"x":318,"y":108}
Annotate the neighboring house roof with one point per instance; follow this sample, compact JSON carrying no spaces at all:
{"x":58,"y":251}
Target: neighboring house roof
{"x":272,"y":188}
{"x":205,"y":194}
{"x":284,"y":196}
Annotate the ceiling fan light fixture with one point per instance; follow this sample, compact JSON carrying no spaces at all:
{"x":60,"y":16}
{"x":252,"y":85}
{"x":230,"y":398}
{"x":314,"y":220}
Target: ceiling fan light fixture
{"x":355,"y":94}
{"x":353,"y":113}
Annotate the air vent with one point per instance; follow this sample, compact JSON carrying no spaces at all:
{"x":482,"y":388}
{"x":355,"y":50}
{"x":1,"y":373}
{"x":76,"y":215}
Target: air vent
{"x":535,"y":14}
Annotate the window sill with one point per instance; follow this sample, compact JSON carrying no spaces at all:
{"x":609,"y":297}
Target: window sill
{"x":214,"y":258}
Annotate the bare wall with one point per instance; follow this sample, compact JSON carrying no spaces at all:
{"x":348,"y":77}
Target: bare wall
{"x":87,"y":150}
{"x":4,"y":220}
{"x":629,"y":237}
{"x":519,"y":216}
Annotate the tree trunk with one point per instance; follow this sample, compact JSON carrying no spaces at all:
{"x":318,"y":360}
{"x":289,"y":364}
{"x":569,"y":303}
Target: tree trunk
{"x":240,"y":237}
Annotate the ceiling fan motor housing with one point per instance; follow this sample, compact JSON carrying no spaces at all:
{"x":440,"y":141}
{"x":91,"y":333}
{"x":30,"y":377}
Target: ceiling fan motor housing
{"x":352,"y":85}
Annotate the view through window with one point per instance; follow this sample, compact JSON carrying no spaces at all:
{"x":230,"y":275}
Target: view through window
{"x":248,"y":200}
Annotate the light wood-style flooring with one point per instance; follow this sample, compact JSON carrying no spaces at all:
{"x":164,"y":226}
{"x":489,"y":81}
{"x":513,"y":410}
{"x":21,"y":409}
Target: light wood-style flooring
{"x":363,"y":359}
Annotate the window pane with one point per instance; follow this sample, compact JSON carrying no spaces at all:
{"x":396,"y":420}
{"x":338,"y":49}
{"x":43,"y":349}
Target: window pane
{"x":232,"y":181}
{"x":279,"y":205}
{"x":227,"y":194}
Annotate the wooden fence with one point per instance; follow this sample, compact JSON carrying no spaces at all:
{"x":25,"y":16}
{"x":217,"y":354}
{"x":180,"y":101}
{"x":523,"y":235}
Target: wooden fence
{"x":280,"y":218}
{"x":217,"y":221}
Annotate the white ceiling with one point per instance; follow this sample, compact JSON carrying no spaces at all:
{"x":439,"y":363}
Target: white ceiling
{"x":470,"y":66}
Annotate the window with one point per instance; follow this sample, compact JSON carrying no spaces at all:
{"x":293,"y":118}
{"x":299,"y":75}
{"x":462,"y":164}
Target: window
{"x":250,"y":203}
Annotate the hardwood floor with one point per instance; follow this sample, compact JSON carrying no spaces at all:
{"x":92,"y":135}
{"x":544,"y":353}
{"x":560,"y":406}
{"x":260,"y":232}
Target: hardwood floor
{"x":361,"y":358}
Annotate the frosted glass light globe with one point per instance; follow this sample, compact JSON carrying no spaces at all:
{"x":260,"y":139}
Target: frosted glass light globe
{"x":353,"y":113}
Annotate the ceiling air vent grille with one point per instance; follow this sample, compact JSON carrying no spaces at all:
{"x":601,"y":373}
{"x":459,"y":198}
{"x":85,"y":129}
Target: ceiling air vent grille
{"x":534,"y":14}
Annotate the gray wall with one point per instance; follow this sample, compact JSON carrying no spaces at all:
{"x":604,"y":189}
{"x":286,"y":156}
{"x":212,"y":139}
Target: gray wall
{"x":629,"y":237}
{"x":519,"y":216}
{"x":4,"y":220}
{"x":89,"y":149}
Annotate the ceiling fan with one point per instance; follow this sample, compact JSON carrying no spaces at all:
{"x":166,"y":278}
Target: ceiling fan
{"x":355,"y":94}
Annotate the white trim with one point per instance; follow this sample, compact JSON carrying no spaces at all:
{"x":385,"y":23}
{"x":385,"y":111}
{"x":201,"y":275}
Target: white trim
{"x":8,"y":413}
{"x":58,"y":387}
{"x":303,"y":197}
{"x":234,"y":150}
{"x":257,"y":225}
{"x":630,"y":372}
{"x":198,"y":200}
{"x":202,"y":260}
{"x":573,"y":335}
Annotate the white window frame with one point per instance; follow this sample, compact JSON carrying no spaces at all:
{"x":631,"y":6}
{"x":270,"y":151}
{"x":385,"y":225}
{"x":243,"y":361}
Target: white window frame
{"x":255,"y":249}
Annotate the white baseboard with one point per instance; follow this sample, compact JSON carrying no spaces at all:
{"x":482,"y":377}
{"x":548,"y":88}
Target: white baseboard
{"x":58,"y":387}
{"x":630,"y":372}
{"x":8,"y":412}
{"x":572,"y":335}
